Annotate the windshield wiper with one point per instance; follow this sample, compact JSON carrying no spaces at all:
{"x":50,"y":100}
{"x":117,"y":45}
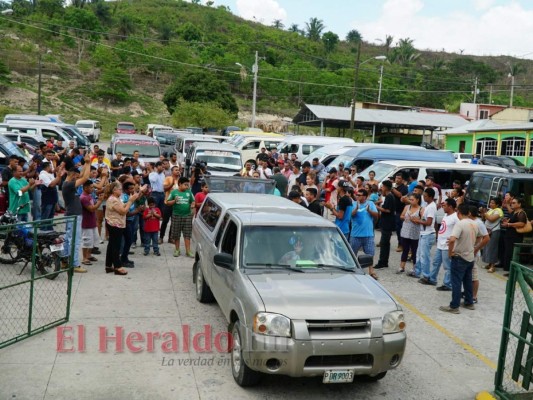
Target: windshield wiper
{"x":286,"y":266}
{"x":335,"y":266}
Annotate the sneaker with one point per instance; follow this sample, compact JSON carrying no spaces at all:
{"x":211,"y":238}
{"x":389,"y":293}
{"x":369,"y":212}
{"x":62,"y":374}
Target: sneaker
{"x":146,"y":253}
{"x":444,"y":288}
{"x":80,"y":270}
{"x":190,"y":254}
{"x":450,"y":310}
{"x":128,"y":264}
{"x":424,"y":281}
{"x":469,"y":306}
{"x":475,"y":300}
{"x":158,"y":254}
{"x":400,"y":271}
{"x":134,"y":246}
{"x":412,"y":274}
{"x":177,"y":253}
{"x":379,"y":266}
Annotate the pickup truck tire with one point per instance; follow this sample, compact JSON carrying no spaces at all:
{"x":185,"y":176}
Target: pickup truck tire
{"x":203,"y":292}
{"x":374,"y":378}
{"x":243,"y":375}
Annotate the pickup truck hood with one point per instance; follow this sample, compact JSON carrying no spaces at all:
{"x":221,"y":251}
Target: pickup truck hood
{"x":322,"y":295}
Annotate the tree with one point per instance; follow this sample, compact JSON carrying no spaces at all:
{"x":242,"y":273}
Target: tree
{"x":200,"y":86}
{"x":165,"y":32}
{"x":314,"y":29}
{"x":388,"y":43}
{"x":354,"y":36}
{"x":84,"y":25}
{"x":125,"y":26}
{"x":277,"y":24}
{"x":205,"y":115}
{"x":4,"y":76}
{"x":113,"y":85}
{"x":190,"y":32}
{"x":404,"y":53}
{"x":102,"y":11}
{"x":294,"y":28}
{"x":330,"y":40}
{"x":50,"y":7}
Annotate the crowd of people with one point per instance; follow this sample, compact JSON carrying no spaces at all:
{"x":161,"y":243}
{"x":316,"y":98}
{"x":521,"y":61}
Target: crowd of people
{"x":123,"y":201}
{"x":466,"y":238}
{"x":129,"y":203}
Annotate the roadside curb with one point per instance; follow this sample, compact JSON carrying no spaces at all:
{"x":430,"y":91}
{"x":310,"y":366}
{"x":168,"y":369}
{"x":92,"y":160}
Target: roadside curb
{"x":485,"y":396}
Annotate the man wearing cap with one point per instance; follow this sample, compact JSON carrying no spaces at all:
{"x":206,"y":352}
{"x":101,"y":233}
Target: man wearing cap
{"x":74,"y":209}
{"x":388,"y":224}
{"x":343,"y":211}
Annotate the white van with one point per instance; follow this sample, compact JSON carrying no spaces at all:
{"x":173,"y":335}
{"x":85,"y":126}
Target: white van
{"x":33,"y":128}
{"x":302,"y":146}
{"x":185,"y":140}
{"x":32,"y":117}
{"x":221,"y":159}
{"x":90,"y":128}
{"x":443,"y":173}
{"x":250,"y":146}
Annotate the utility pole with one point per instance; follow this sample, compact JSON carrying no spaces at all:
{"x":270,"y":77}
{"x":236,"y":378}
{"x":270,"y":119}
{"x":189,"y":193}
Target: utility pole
{"x":39,"y":85}
{"x":490,"y":94}
{"x":475,"y":90}
{"x":255,"y":70}
{"x":356,"y":78}
{"x":381,"y":82}
{"x":512,"y":91}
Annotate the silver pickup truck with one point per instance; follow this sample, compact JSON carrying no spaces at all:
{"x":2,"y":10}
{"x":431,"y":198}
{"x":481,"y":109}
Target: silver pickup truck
{"x":294,"y":295}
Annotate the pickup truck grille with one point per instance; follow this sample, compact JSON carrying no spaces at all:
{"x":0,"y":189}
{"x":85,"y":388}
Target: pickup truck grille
{"x":338,"y":329}
{"x":346,"y":360}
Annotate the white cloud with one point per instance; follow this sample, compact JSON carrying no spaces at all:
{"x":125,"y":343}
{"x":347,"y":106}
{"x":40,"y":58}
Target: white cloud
{"x":264,"y":11}
{"x":483,"y":4}
{"x":495,"y":30}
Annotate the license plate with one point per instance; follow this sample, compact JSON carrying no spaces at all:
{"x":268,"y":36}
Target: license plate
{"x":56,"y":247}
{"x":338,"y":376}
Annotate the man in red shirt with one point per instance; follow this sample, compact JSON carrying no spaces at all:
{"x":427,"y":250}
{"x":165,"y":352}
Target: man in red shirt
{"x":201,"y":195}
{"x":152,"y":217}
{"x":89,"y":232}
{"x":330,"y":187}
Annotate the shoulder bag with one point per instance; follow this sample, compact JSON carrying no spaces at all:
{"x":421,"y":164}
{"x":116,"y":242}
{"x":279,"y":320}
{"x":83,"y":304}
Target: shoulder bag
{"x":526,"y":228}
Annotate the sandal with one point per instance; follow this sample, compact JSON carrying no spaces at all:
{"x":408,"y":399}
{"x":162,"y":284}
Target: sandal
{"x":92,"y":259}
{"x":400,"y":271}
{"x":87,"y":263}
{"x":373,"y":275}
{"x":120,"y":271}
{"x":492,"y":270}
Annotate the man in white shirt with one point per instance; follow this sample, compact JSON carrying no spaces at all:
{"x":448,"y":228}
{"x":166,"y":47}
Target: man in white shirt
{"x":294,"y":177}
{"x":264,"y":171}
{"x":441,"y":255}
{"x":49,"y":194}
{"x":157,"y":179}
{"x":427,"y":238}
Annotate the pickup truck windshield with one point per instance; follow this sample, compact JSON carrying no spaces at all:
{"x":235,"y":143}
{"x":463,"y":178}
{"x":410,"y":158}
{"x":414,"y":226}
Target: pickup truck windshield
{"x":219,"y":158}
{"x":303,"y":247}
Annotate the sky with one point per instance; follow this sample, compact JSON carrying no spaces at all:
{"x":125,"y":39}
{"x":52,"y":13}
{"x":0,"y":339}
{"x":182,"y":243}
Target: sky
{"x":477,"y":27}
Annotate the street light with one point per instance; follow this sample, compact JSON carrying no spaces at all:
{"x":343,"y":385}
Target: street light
{"x":255,"y":70}
{"x":382,"y":58}
{"x":356,"y":78}
{"x":39,"y":82}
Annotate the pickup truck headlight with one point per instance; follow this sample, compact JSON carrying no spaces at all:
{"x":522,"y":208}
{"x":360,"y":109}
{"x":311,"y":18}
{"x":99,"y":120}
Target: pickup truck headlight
{"x":393,"y":322}
{"x":272,"y":324}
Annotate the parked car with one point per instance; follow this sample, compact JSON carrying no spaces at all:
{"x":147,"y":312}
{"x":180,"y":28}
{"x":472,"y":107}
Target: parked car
{"x":506,"y":162}
{"x":18,"y":137}
{"x":7,"y":148}
{"x":302,"y":146}
{"x":90,"y":128}
{"x":221,"y":159}
{"x":463,"y":158}
{"x":125,"y":128}
{"x":293,"y":292}
{"x":228,"y":129}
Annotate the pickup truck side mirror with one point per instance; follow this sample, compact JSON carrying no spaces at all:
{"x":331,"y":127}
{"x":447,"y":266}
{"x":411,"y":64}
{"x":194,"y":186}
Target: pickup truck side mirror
{"x":109,"y":150}
{"x":224,"y":260}
{"x":365,"y":260}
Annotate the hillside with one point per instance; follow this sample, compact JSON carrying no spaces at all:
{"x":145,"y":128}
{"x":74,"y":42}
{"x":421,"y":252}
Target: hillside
{"x":114,"y":61}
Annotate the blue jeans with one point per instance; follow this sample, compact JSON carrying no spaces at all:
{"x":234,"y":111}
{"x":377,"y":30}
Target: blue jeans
{"x":127,"y":240}
{"x":151,"y":238}
{"x":36,"y":206}
{"x":77,"y":241}
{"x":423,"y":257}
{"x":461,"y":271}
{"x":441,"y":257}
{"x":47,"y":212}
{"x":159,"y":198}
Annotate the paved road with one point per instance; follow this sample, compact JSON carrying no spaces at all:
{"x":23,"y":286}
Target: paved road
{"x":447,"y":357}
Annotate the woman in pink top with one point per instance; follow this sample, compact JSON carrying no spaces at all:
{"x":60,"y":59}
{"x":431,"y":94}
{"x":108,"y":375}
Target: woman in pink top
{"x":115,"y":221}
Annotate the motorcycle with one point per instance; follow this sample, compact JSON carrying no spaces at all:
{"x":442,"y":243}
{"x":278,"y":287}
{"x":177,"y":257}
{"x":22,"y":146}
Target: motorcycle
{"x":17,"y":246}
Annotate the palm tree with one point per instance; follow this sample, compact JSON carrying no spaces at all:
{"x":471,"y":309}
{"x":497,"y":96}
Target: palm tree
{"x":354,"y":36}
{"x":314,"y":28}
{"x":388,"y":43}
{"x":277,"y":24}
{"x":404,"y":53}
{"x":295,"y":29}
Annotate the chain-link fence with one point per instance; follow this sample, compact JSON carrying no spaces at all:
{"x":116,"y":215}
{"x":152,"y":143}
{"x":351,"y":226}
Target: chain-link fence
{"x":35,"y":276}
{"x":514,"y":376}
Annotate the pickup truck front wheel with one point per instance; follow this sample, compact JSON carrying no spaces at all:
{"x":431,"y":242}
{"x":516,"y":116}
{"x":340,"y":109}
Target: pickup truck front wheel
{"x":203,"y":293}
{"x":243,"y":375}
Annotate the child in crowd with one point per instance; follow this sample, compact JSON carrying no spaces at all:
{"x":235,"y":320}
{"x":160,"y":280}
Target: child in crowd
{"x":152,"y":218}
